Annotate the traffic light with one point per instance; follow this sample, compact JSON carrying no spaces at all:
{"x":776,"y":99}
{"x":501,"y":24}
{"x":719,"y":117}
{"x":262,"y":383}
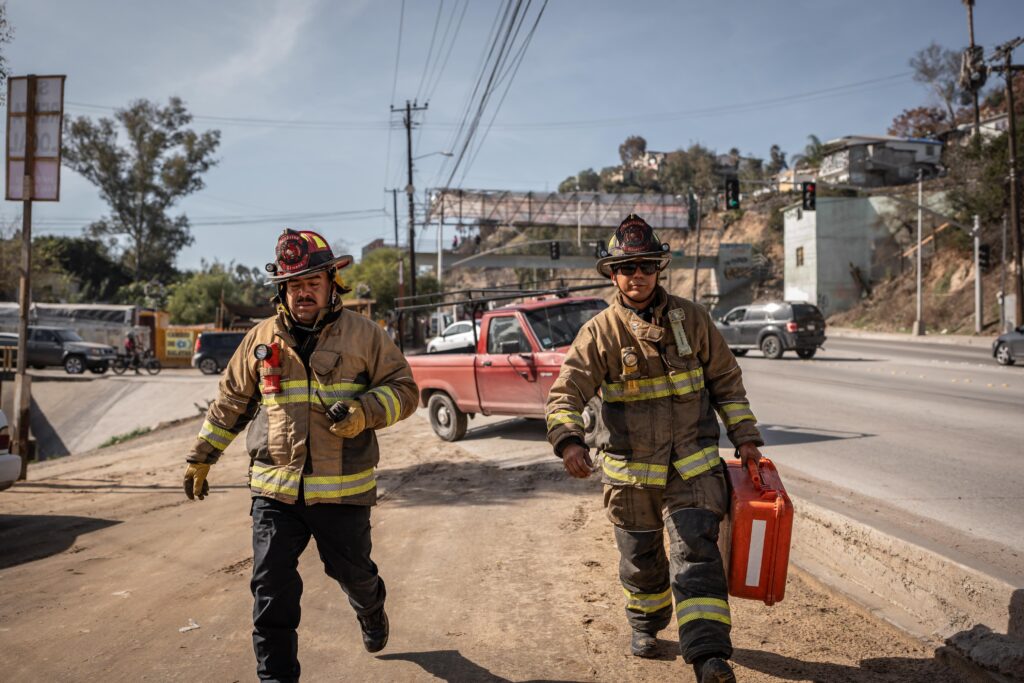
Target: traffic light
{"x":555,"y":249}
{"x":732,"y":193}
{"x":984,"y":257}
{"x":807,"y":198}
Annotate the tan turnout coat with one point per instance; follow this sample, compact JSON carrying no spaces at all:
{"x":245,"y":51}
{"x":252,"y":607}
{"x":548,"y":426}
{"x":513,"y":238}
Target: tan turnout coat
{"x":353,"y":360}
{"x":659,"y":398}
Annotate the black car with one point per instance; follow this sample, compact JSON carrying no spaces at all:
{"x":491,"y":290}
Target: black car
{"x":214,"y":350}
{"x":1008,"y":347}
{"x":48,"y":346}
{"x":774,"y":328}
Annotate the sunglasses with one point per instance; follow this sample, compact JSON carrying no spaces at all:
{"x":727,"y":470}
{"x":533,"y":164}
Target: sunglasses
{"x":627,"y":269}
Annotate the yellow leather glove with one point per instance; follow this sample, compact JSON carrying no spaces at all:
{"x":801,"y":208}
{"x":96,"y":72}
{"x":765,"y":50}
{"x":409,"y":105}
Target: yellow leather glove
{"x":195,"y":480}
{"x":353,"y":424}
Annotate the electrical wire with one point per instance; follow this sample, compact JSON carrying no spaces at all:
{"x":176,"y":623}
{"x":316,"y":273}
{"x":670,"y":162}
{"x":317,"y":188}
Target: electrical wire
{"x":430,"y":50}
{"x":448,"y":54}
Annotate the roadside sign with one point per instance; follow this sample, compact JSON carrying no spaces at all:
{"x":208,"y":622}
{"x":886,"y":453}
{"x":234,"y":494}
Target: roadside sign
{"x":45,"y":121}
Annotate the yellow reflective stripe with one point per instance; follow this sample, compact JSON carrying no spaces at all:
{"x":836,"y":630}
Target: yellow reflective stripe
{"x":648,"y":602}
{"x":279,"y":399}
{"x":215,"y":436}
{"x":698,"y":463}
{"x":564,"y":417}
{"x":293,"y":384}
{"x":339,"y":486}
{"x":636,"y":473}
{"x":703,"y":608}
{"x":734,"y":413}
{"x":388,"y":399}
{"x":677,"y":384}
{"x":320,"y":244}
{"x":266,"y":479}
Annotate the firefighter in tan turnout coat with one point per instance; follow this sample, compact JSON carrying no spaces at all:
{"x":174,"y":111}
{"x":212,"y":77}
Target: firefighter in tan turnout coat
{"x":311,"y":469}
{"x":663,"y":372}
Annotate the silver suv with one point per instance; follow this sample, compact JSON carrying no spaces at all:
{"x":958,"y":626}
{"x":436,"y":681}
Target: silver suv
{"x":774,"y":328}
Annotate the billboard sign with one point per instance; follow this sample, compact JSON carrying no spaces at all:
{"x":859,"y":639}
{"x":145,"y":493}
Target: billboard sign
{"x":45,"y":121}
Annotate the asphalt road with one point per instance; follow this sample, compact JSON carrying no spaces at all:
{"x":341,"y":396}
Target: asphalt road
{"x":924,"y":441}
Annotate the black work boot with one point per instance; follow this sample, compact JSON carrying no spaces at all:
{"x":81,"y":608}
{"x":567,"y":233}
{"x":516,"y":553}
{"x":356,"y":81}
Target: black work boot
{"x":375,"y":631}
{"x":643,"y":645}
{"x":713,"y":670}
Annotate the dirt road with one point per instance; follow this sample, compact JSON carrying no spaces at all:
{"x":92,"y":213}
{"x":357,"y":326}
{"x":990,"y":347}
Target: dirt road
{"x":493,"y":575}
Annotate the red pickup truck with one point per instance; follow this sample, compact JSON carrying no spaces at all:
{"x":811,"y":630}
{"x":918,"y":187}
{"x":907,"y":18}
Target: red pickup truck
{"x":518,"y":356}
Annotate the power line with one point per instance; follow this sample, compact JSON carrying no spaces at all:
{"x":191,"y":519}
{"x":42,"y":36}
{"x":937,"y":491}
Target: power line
{"x":430,"y":50}
{"x":738,"y":107}
{"x":517,"y":60}
{"x":451,"y":45}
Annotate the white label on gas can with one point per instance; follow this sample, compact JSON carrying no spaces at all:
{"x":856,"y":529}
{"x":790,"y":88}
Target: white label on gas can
{"x":757,"y":530}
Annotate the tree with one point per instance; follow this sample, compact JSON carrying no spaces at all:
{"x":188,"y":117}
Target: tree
{"x":814,"y":152}
{"x":939,"y":69}
{"x":378,"y":271}
{"x":919,"y":122}
{"x":196,"y":297}
{"x":586,"y":180}
{"x":977,"y":175}
{"x":162,"y":162}
{"x":6,"y":35}
{"x":632,"y":149}
{"x":97,"y":275}
{"x":777,"y":160}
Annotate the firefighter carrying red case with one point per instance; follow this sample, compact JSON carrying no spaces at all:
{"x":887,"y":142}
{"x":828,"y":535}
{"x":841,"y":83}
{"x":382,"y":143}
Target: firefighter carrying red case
{"x":755,"y":536}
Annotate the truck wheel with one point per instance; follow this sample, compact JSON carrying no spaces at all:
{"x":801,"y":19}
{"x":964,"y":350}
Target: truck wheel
{"x":771,"y":347}
{"x":446,"y":419}
{"x":806,"y":353}
{"x":208,"y":366}
{"x":74,"y":365}
{"x":595,"y":434}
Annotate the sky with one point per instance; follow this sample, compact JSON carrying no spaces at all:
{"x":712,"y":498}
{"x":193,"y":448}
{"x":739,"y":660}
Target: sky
{"x":722,"y":73}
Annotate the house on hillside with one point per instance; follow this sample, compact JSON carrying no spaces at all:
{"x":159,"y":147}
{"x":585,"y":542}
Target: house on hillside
{"x":878,"y":161}
{"x":990,"y":127}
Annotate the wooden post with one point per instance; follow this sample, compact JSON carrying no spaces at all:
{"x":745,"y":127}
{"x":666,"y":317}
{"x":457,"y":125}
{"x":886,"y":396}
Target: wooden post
{"x":22,"y":383}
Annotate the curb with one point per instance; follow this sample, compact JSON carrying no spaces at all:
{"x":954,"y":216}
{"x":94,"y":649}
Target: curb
{"x":917,"y":590}
{"x":944,"y":339}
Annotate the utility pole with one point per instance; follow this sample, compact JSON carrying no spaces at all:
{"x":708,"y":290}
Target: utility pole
{"x":22,"y":382}
{"x":919,"y":326}
{"x":1005,"y":51}
{"x":1002,"y":283}
{"x":410,"y":108}
{"x":978,"y":313}
{"x":401,"y":269}
{"x":696,"y":252}
{"x":970,"y":28}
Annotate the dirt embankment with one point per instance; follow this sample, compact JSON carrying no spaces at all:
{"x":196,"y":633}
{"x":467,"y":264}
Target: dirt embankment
{"x":494,"y":574}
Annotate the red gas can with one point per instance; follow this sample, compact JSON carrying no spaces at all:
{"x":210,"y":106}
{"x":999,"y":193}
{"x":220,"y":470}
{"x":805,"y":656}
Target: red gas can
{"x":755,"y":537}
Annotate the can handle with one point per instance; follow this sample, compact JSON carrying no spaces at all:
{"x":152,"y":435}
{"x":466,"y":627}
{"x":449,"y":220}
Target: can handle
{"x":755,"y":474}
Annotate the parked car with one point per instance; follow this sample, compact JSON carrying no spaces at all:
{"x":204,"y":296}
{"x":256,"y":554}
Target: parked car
{"x":456,"y":337}
{"x":213,"y":350}
{"x":774,"y":328}
{"x":1008,"y":347}
{"x":61,"y":346}
{"x":10,"y":465}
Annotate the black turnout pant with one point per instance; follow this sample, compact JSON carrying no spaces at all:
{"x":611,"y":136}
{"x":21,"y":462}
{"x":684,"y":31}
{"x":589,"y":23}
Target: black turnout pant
{"x":280,"y":533}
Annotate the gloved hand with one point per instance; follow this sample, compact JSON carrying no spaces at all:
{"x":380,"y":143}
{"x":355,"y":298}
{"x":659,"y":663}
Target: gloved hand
{"x":195,"y":480}
{"x":353,"y":424}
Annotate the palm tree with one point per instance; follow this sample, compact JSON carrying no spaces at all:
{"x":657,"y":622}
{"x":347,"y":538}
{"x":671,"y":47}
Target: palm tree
{"x":814,"y":152}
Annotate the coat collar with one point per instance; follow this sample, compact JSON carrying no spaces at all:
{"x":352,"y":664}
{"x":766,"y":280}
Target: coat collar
{"x":637,"y":326}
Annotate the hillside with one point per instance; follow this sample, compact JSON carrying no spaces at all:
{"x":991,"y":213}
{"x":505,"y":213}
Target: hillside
{"x":948,"y":279}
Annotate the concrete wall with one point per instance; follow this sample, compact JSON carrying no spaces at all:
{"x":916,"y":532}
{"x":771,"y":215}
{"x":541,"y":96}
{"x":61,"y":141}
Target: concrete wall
{"x":841,"y":233}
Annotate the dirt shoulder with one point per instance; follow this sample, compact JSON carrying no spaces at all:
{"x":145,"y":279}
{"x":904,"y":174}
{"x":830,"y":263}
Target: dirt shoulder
{"x":493,"y":575}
